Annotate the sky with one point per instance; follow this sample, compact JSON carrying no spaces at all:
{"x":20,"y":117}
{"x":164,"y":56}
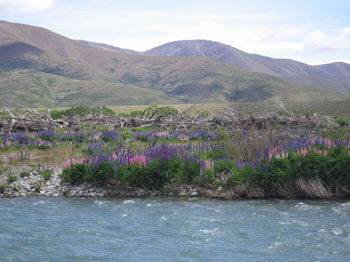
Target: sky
{"x":309,"y":31}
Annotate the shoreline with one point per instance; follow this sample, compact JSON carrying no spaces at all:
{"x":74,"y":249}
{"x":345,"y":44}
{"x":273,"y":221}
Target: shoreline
{"x":36,"y":186}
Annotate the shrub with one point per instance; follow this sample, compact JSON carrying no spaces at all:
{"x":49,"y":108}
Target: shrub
{"x":154,"y":176}
{"x":343,"y":121}
{"x":155,"y":110}
{"x":75,"y":174}
{"x":11,"y":179}
{"x":81,"y":111}
{"x":206,"y":179}
{"x":166,"y":111}
{"x":331,"y":169}
{"x":24,"y":174}
{"x":2,"y":188}
{"x":44,"y":147}
{"x":46,"y":174}
{"x":126,"y":135}
{"x":136,"y":113}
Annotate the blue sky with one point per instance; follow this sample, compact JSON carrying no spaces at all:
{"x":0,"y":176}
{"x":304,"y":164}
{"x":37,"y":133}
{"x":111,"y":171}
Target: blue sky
{"x":306,"y":30}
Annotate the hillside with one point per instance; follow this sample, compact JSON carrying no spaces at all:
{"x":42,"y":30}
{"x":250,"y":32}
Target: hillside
{"x":335,"y":76}
{"x":41,"y":68}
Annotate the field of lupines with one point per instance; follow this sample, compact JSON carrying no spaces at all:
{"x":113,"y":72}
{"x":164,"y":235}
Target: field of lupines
{"x":254,"y":163}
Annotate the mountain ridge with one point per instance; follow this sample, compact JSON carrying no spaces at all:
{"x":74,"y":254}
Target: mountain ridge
{"x":37,"y":61}
{"x":288,"y":69}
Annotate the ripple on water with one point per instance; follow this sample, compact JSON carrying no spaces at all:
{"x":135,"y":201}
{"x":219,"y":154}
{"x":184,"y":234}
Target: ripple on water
{"x":337,"y":231}
{"x":343,"y":208}
{"x":212,"y":232}
{"x":275,"y":246}
{"x":300,"y":223}
{"x":128,"y":202}
{"x":302,"y":206}
{"x":40,"y":202}
{"x":102,"y":202}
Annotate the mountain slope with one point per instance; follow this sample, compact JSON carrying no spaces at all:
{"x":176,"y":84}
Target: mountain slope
{"x":44,"y":68}
{"x":321,"y":75}
{"x":111,"y":48}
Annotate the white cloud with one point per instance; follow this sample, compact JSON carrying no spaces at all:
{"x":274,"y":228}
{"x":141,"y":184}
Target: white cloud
{"x":250,"y":39}
{"x":304,"y":43}
{"x":24,"y":6}
{"x":320,"y":62}
{"x":327,"y":41}
{"x":142,"y":29}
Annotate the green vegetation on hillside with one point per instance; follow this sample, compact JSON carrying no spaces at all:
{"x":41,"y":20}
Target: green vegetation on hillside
{"x":54,"y":71}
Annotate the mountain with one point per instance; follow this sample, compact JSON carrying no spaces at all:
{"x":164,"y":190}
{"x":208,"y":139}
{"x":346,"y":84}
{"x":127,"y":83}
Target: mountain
{"x":335,"y":76}
{"x":42,"y":68}
{"x":111,"y":48}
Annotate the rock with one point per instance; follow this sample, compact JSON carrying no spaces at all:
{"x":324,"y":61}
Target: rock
{"x":26,"y":188}
{"x":140,"y":192}
{"x":182,"y":194}
{"x":194,"y":194}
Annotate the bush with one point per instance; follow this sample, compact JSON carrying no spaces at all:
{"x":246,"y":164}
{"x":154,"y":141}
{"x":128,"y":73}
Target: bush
{"x":206,"y":179}
{"x":11,"y":179}
{"x":126,"y":135}
{"x":44,"y":147}
{"x":155,"y":110}
{"x":343,"y":121}
{"x":24,"y":174}
{"x":46,"y":174}
{"x":136,"y":113}
{"x":332,"y":169}
{"x":81,"y":111}
{"x":2,"y":188}
{"x":75,"y":174}
{"x":154,"y":176}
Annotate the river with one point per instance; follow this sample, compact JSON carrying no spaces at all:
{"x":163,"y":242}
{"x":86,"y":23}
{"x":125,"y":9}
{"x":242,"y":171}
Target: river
{"x":154,"y":229}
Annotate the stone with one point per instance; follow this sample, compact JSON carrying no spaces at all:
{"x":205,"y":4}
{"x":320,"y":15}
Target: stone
{"x":194,"y":194}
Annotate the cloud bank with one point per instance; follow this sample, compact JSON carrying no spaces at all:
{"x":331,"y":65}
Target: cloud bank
{"x":24,"y":6}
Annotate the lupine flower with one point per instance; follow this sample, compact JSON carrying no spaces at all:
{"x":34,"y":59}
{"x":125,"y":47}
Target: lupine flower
{"x":140,"y":159}
{"x":72,"y":161}
{"x":208,"y":164}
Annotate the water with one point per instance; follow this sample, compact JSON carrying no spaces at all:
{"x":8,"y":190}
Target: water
{"x":63,"y":229}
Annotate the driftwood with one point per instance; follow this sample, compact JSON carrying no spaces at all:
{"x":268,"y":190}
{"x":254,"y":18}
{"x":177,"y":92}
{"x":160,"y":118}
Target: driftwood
{"x":30,"y":120}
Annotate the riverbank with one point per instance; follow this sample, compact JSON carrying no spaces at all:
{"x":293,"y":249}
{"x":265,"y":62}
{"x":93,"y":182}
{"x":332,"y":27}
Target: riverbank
{"x":35,"y":185}
{"x":209,"y":163}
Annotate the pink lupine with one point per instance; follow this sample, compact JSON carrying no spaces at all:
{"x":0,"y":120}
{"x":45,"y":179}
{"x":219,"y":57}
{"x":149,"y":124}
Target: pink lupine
{"x":73,"y":161}
{"x":328,"y":142}
{"x":140,"y":159}
{"x":114,"y":157}
{"x":321,"y":152}
{"x":7,"y":143}
{"x":303,"y":151}
{"x":95,"y":137}
{"x":208,"y":164}
{"x":161,"y":133}
{"x":273,"y":152}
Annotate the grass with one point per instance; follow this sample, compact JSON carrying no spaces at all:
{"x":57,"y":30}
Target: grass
{"x":335,"y":109}
{"x":54,"y":157}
